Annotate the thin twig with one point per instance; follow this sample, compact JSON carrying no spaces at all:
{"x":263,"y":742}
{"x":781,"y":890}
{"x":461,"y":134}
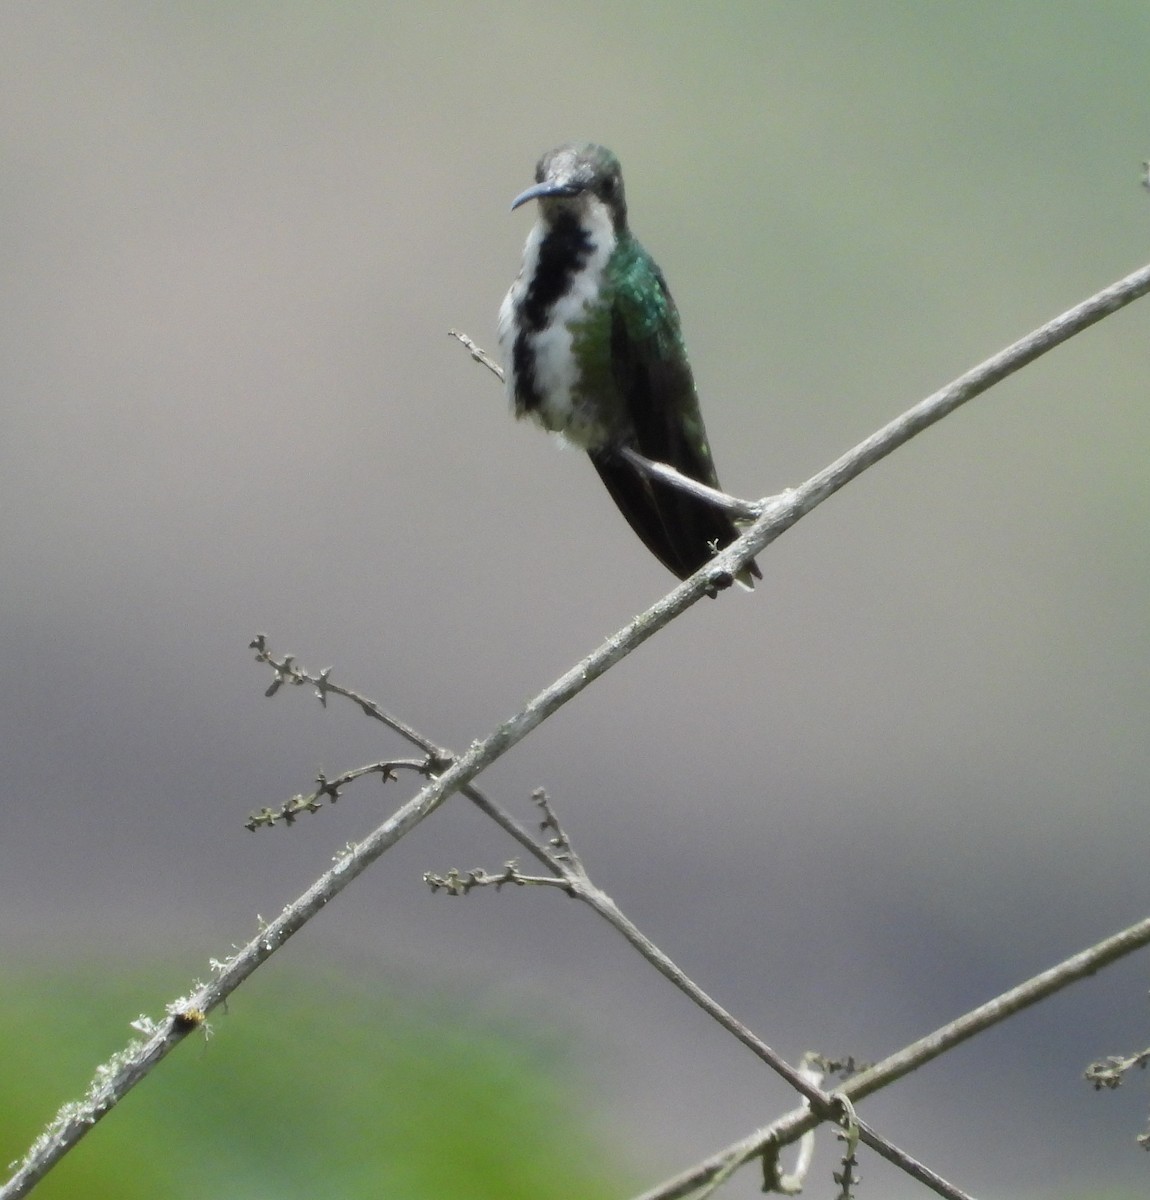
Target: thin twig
{"x":288,"y":671}
{"x":775,"y":1179}
{"x":821,"y":1105}
{"x":793,"y":1124}
{"x":478,"y":353}
{"x":746,"y":509}
{"x":1110,"y":1072}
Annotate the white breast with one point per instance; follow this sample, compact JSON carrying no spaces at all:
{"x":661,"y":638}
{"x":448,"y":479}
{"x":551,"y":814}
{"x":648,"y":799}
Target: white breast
{"x":562,"y":409}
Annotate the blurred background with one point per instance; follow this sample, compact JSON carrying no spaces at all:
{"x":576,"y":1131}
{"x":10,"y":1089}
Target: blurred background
{"x":907,"y":773}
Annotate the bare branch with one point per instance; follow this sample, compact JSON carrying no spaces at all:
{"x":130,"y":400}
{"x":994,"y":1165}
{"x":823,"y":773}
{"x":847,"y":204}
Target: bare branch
{"x":438,"y":758}
{"x":746,"y":509}
{"x":459,"y":883}
{"x":825,"y":1106}
{"x":478,"y":353}
{"x":787,"y":1128}
{"x":329,"y":790}
{"x":286,"y":672}
{"x":116,"y":1078}
{"x":775,"y":1179}
{"x":1110,"y":1072}
{"x":783,"y":511}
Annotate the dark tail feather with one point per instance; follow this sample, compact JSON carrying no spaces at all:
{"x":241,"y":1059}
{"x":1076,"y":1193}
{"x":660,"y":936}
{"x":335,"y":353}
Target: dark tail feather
{"x":679,"y":529}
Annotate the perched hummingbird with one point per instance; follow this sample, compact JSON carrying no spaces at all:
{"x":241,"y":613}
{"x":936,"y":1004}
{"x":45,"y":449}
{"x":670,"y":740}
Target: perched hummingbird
{"x":592,"y":350}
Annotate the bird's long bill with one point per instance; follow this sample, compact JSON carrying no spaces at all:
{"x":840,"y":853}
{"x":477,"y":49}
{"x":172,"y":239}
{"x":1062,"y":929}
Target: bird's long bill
{"x":541,"y":191}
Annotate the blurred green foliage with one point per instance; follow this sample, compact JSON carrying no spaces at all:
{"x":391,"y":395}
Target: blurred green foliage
{"x":317,"y":1086}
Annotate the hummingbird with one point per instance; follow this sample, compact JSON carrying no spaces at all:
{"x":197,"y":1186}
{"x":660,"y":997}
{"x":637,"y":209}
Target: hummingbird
{"x":592,"y":350}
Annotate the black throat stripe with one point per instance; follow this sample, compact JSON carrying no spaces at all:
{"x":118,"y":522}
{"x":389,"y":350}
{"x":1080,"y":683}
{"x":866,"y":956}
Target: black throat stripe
{"x":563,"y":253}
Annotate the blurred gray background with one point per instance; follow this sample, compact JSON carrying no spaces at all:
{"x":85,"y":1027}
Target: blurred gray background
{"x":908,"y":772}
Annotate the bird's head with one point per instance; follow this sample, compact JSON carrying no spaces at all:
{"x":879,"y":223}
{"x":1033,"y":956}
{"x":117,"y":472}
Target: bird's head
{"x":575,"y":178}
